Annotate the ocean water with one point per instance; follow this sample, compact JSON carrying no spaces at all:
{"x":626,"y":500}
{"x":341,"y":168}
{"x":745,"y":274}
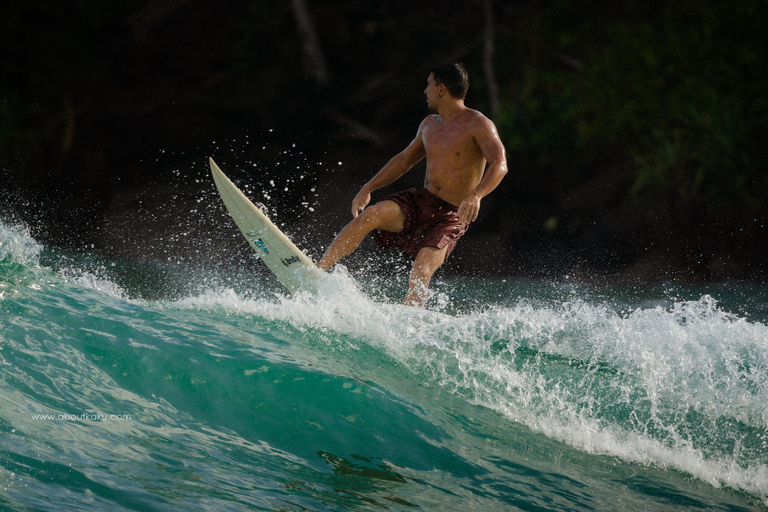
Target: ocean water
{"x":128,"y":386}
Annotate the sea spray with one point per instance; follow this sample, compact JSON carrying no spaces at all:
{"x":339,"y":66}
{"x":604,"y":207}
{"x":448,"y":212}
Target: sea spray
{"x":17,"y":246}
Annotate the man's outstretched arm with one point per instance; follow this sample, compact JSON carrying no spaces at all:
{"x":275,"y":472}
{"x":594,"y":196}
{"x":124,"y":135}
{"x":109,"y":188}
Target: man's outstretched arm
{"x":398,"y":165}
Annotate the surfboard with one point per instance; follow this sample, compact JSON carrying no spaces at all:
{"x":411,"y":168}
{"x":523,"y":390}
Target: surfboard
{"x":288,"y":263}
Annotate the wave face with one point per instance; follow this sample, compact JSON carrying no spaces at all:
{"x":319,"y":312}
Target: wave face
{"x":156,"y":387}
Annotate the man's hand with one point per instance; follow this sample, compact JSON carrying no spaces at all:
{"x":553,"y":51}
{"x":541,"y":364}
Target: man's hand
{"x":360,"y":201}
{"x":469,"y":208}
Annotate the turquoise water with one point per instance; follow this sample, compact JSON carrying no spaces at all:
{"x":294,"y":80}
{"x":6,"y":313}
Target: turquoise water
{"x":158,"y":387}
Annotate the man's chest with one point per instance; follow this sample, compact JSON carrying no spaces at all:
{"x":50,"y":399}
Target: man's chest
{"x":440,"y":139}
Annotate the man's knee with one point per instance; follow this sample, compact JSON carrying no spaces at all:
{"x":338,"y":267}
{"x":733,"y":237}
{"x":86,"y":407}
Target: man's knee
{"x":386,"y":215}
{"x":427,"y":261}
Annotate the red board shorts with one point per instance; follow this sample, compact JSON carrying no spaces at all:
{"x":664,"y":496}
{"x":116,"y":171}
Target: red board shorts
{"x":429,"y":222}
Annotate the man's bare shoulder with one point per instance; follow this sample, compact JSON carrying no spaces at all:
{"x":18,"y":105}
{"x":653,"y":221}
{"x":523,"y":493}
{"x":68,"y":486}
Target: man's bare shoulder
{"x":477,"y":119}
{"x":480,"y":125}
{"x":429,"y":120}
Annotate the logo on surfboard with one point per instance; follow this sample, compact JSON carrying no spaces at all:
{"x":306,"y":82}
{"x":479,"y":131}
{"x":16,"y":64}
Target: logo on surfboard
{"x":258,"y":242}
{"x":290,"y":261}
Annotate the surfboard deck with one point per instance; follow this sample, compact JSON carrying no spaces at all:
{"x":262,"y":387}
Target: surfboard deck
{"x":292,"y":268}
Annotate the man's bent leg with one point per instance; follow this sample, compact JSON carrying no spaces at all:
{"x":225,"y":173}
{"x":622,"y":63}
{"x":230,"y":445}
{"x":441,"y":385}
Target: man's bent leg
{"x":426,"y":263}
{"x":385,"y":215}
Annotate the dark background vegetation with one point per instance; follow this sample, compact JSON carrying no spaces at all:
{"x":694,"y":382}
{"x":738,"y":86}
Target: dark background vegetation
{"x":636,"y":131}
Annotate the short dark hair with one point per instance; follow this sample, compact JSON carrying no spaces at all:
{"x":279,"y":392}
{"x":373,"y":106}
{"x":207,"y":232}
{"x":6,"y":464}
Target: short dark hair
{"x":453,"y":76}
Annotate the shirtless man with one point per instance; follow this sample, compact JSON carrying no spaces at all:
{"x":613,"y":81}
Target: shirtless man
{"x":465,"y":162}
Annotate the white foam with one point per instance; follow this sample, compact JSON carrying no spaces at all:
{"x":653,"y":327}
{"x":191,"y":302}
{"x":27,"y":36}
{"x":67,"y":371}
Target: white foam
{"x":86,"y":280}
{"x":17,"y":245}
{"x":692,"y":357}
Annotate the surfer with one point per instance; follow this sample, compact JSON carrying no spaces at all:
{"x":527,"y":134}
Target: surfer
{"x":465,"y":162}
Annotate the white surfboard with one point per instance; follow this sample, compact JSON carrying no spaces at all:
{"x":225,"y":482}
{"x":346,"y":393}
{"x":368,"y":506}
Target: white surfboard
{"x":290,"y":266}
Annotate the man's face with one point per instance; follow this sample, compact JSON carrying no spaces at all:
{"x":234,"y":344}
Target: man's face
{"x":432,"y":92}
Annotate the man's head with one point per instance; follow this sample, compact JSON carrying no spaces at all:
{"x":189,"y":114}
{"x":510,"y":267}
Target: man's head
{"x":454,"y":77}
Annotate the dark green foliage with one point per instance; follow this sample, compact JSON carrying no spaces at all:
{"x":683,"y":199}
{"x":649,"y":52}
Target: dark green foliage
{"x":628,"y":126}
